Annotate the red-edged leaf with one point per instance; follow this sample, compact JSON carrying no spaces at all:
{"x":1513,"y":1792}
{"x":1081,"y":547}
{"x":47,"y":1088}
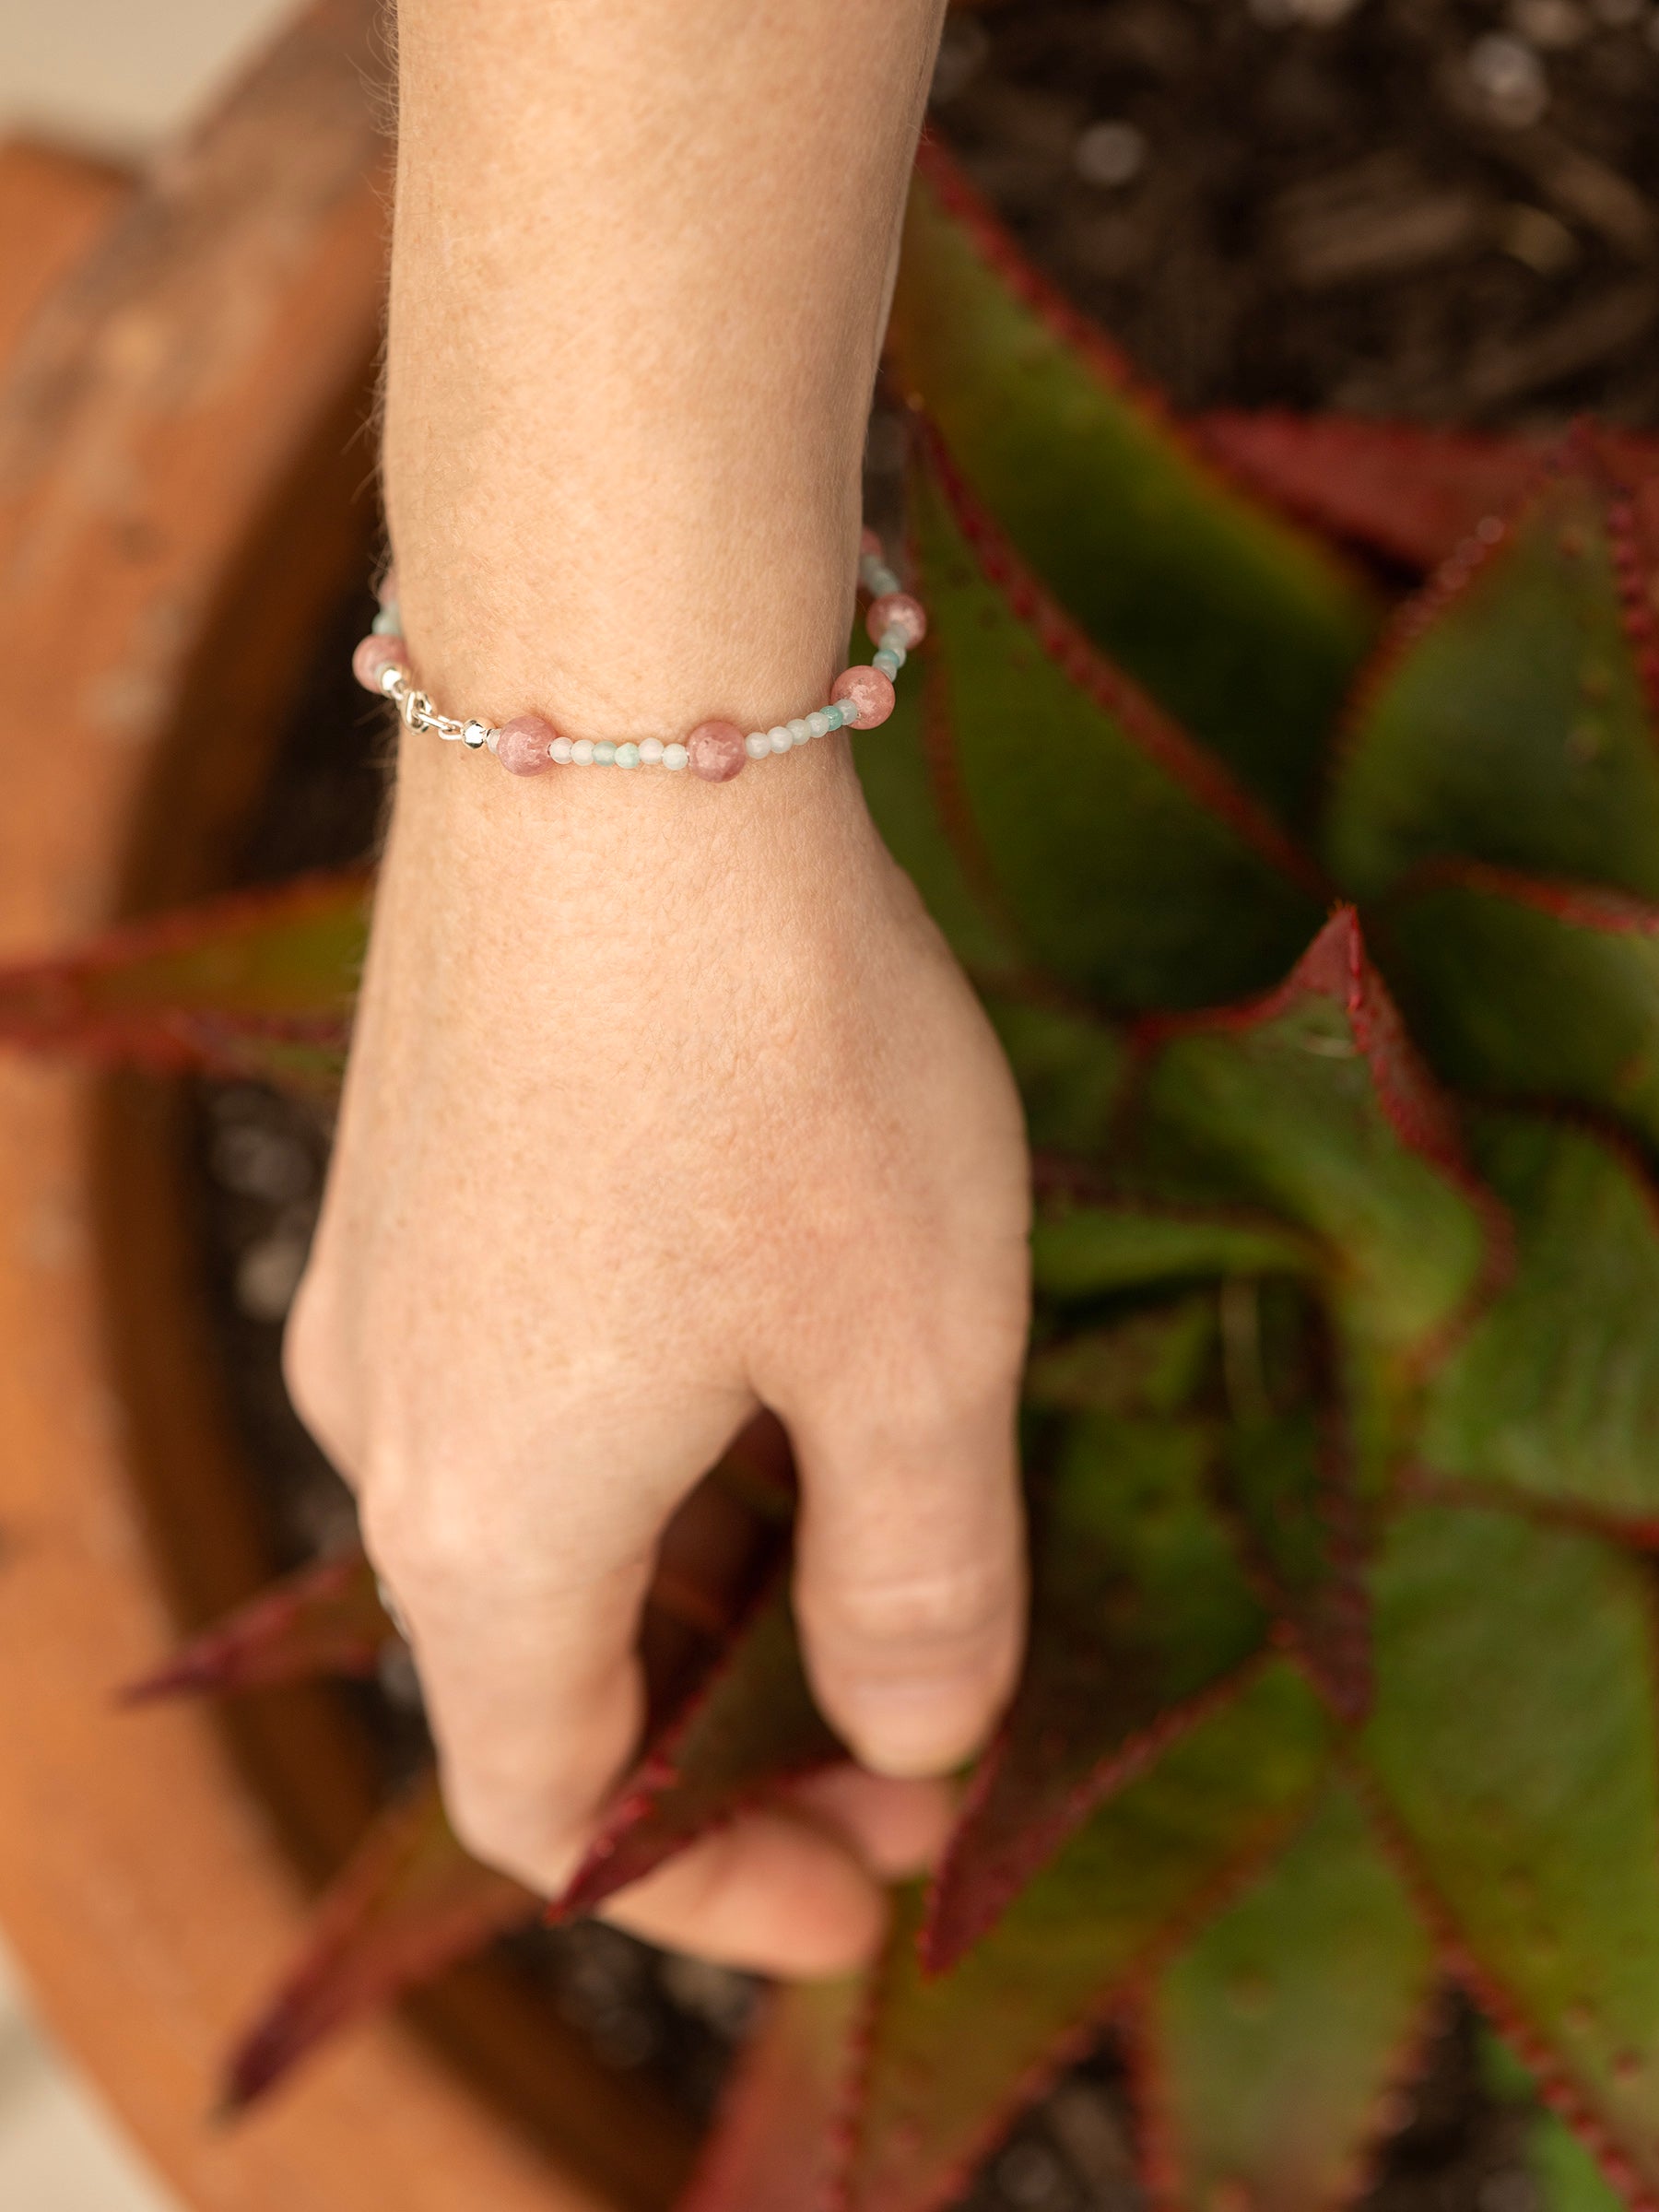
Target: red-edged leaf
{"x":1405,"y":490}
{"x":1311,"y":1101}
{"x":1139,"y":1611}
{"x":774,"y":2141}
{"x":946,"y":2062}
{"x":1125,"y":857}
{"x":326,"y":1619}
{"x":1528,"y":989}
{"x":1293,"y":1483}
{"x":1554,"y":1394}
{"x":1515,"y":1751}
{"x":1154,"y":1362}
{"x":411,"y":1903}
{"x":751,"y":1725}
{"x":1244,"y":630}
{"x":259,"y":984}
{"x":1563,"y":2175}
{"x":1272,"y":2043}
{"x":1507,"y":717}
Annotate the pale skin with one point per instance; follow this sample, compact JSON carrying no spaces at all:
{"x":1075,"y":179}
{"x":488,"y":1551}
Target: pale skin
{"x":666,"y":1100}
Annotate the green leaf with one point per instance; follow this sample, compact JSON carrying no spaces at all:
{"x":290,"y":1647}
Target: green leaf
{"x":1292,"y":1484}
{"x":1125,"y":857}
{"x":259,"y":985}
{"x":1243,"y":628}
{"x":326,"y":1619}
{"x":1555,"y":1391}
{"x":751,"y":1725}
{"x":411,"y":1902}
{"x":1507,"y":719}
{"x":1273,"y":2040}
{"x":893,"y":769}
{"x":1154,"y":1362}
{"x":1071,"y":1069}
{"x":1516,"y":1743}
{"x":1565,"y":2177}
{"x":773,"y":2140}
{"x":1139,"y":1609}
{"x":1312,"y":1104}
{"x":946,"y":2061}
{"x":1081,"y":1249}
{"x":1530,"y":989}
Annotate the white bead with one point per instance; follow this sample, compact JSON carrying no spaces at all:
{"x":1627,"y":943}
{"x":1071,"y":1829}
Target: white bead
{"x":779,"y":738}
{"x":757,"y":744}
{"x":582,"y":752}
{"x":560,"y":750}
{"x":818,"y":723}
{"x":651,"y":750}
{"x":674,"y":756}
{"x":799,"y":731}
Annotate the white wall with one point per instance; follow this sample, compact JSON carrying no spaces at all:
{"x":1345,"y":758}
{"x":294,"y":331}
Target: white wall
{"x":118,"y":76}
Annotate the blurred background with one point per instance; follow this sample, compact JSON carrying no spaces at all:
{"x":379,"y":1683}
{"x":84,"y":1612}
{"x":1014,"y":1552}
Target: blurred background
{"x":117,"y":78}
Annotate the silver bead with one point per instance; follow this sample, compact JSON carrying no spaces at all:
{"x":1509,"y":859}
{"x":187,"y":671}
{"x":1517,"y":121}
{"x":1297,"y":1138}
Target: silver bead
{"x":391,"y":676}
{"x":475,"y":734}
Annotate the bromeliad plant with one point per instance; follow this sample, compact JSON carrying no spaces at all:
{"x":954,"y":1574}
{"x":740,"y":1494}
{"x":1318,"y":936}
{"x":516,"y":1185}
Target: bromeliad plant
{"x":1341,"y":1417}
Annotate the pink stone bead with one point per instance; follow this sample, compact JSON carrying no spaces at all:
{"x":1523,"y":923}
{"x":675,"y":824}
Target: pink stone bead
{"x":869,"y":543}
{"x":898,"y":611}
{"x":374,"y":657}
{"x":522,"y":745}
{"x":716,"y":752}
{"x":868,"y":692}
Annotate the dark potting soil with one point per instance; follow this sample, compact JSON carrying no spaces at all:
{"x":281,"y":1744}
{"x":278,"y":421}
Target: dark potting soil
{"x":1439,"y":208}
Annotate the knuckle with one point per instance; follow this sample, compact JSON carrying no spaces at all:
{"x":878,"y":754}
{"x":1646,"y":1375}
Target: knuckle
{"x":946,"y":1610}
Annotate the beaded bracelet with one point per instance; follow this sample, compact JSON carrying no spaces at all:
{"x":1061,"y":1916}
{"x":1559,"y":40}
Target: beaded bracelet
{"x":860,"y":698}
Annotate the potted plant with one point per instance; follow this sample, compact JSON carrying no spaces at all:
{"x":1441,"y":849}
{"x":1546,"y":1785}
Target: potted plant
{"x":1316,"y":906}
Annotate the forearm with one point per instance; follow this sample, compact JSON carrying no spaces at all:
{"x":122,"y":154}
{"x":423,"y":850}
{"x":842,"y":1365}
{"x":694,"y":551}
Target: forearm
{"x":641,"y":269}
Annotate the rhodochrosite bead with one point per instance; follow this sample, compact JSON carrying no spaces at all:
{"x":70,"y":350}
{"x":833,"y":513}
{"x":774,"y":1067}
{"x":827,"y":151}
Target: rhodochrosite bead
{"x":523,"y":745}
{"x":868,"y":692}
{"x":373,"y":657}
{"x":897,"y":611}
{"x":716,"y":752}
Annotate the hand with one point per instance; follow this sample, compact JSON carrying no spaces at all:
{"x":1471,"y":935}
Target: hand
{"x":665,"y":1101}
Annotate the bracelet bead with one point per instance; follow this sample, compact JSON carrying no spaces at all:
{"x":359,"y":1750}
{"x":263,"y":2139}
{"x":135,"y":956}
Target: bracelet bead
{"x":715,"y":751}
{"x":897,"y":610}
{"x":868,"y":692}
{"x":526,"y":744}
{"x":374,"y":656}
{"x":862,"y":698}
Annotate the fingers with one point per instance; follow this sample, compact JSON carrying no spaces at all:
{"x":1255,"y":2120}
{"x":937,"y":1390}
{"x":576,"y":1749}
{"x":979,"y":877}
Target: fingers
{"x":522,"y":1584}
{"x":795,"y":1889}
{"x":897,"y":1827}
{"x":910,"y":1576}
{"x":771,"y":1894}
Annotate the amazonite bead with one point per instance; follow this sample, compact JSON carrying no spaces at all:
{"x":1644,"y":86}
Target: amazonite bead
{"x":674,"y":756}
{"x":779,"y":738}
{"x":604,"y":754}
{"x":388,"y":623}
{"x":800,"y":730}
{"x":582,"y":752}
{"x":819,"y":723}
{"x":561,"y":750}
{"x":651,"y":751}
{"x":627,"y":756}
{"x":886,"y":662}
{"x":757,"y":744}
